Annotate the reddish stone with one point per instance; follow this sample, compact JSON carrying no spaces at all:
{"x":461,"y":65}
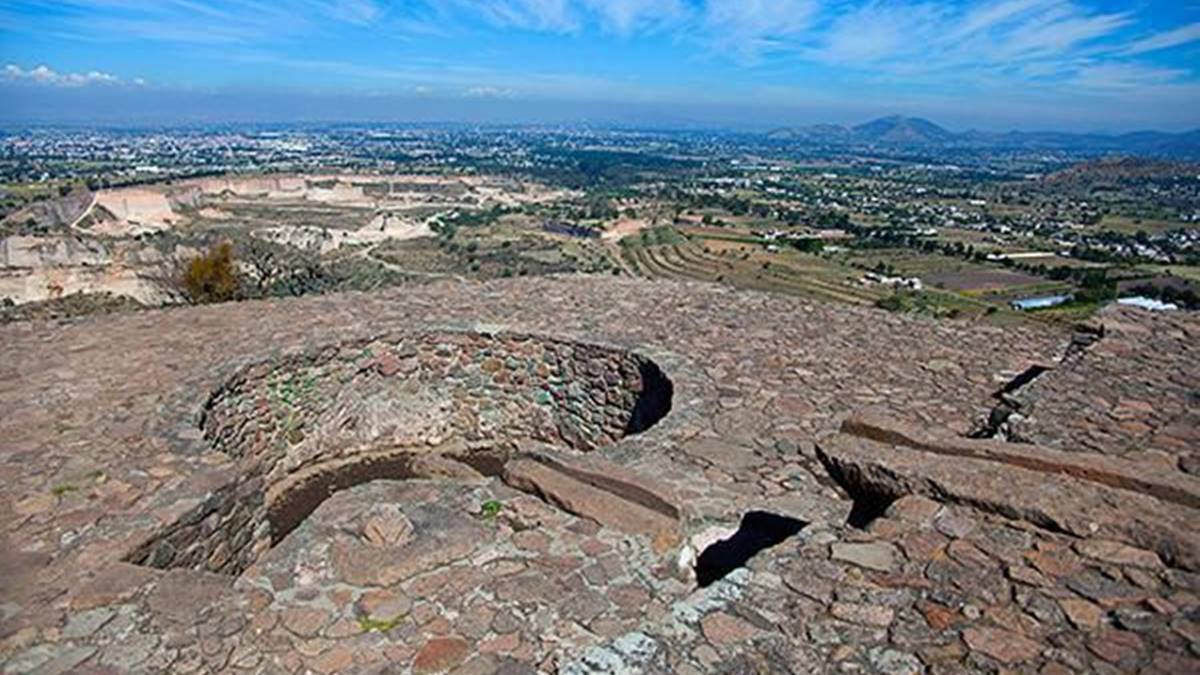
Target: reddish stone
{"x":869,"y":615}
{"x":504,"y":644}
{"x":1058,"y":561}
{"x":629,"y":596}
{"x":387,"y":364}
{"x":1004,"y":646}
{"x":914,"y":509}
{"x":441,"y":654}
{"x":1116,"y":553}
{"x":1027,"y":575}
{"x":1082,"y":614}
{"x":969,"y":554}
{"x":594,"y":547}
{"x":596,"y":492}
{"x":532,"y":540}
{"x":923,"y":545}
{"x":939,"y":617}
{"x":1116,"y":646}
{"x":304,"y":621}
{"x":339,"y":659}
{"x":723,"y":629}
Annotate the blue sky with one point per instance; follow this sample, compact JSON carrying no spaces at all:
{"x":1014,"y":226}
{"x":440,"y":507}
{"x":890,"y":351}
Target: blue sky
{"x":1065,"y":64}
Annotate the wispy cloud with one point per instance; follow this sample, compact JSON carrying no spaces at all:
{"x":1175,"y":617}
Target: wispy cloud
{"x":1119,"y":76}
{"x":195,"y":21}
{"x":488,"y":92}
{"x":1172,"y":38}
{"x":359,"y":12}
{"x":712,"y":50}
{"x":48,"y":76}
{"x":626,"y":17}
{"x":623,"y":17}
{"x":915,"y":36}
{"x":554,"y":15}
{"x":747,"y":28}
{"x":880,"y":31}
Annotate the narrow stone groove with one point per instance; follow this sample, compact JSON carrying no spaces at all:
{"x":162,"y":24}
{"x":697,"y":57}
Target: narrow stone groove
{"x":1099,"y":476}
{"x":623,"y":489}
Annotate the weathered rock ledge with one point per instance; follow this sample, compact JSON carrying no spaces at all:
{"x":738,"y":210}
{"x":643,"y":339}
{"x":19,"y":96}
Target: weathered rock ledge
{"x":504,"y":485}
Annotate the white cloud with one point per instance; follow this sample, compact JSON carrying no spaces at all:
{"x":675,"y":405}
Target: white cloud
{"x":1059,"y":30}
{"x":623,"y":17}
{"x":1172,"y":38}
{"x":208,"y":22}
{"x":630,"y":16}
{"x":361,"y":12}
{"x":880,"y":31}
{"x":749,"y":27}
{"x":1114,"y":76}
{"x":45,"y":75}
{"x":488,"y":92}
{"x":964,"y":44}
{"x":957,"y":49}
{"x":990,"y":15}
{"x":550,"y":15}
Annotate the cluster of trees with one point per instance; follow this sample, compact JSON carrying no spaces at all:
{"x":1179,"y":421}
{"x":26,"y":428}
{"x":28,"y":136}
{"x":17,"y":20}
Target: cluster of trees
{"x":1186,"y":298}
{"x":580,"y":169}
{"x":249,"y":267}
{"x":808,"y":244}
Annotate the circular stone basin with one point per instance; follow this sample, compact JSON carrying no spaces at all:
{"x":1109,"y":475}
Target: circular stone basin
{"x":305,"y":426}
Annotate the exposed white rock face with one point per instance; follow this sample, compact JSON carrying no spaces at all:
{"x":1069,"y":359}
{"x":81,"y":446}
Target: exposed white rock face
{"x":41,"y":252}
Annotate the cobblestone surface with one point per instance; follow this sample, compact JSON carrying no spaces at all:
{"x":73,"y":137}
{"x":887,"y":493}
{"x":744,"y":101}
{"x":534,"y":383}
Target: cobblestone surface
{"x":1134,"y":392}
{"x":451,"y":562}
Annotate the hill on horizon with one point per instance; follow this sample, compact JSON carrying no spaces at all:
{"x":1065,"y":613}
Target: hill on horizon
{"x":915,"y":132}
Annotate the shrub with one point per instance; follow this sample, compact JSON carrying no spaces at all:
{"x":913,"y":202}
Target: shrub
{"x":212,"y":277}
{"x":893,"y":303}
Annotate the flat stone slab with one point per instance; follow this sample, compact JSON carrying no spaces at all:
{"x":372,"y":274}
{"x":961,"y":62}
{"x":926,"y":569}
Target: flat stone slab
{"x":1109,"y":498}
{"x":603,"y":492}
{"x":1131,"y":393}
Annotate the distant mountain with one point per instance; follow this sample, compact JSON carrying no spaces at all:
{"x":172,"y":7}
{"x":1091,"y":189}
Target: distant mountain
{"x":917,"y":133}
{"x":902,"y":131}
{"x":818,"y":133}
{"x":1118,"y":169}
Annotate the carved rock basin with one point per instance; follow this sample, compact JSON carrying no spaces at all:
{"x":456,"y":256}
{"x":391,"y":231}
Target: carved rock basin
{"x":455,"y":405}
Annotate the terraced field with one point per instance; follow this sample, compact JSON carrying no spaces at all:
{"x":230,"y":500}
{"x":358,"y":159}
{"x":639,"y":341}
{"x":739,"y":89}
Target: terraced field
{"x":781,"y":273}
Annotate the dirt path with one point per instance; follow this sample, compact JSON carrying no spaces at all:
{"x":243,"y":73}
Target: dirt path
{"x":86,"y":212}
{"x":366,"y":254}
{"x":623,"y":228}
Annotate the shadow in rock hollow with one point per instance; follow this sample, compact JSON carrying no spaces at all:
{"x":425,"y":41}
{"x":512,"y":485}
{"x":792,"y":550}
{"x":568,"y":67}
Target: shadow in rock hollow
{"x":759,"y":530}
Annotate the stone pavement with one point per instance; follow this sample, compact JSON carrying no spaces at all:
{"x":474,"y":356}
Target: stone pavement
{"x":528,"y":476}
{"x":1131,"y":393}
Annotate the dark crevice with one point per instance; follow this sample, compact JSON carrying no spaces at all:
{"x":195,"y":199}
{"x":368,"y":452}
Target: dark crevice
{"x":871,"y":497}
{"x":654,"y":402}
{"x":996,"y":425}
{"x":489,"y":463}
{"x":1083,"y":338}
{"x":867,"y":507}
{"x":759,"y":530}
{"x":1029,"y":375}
